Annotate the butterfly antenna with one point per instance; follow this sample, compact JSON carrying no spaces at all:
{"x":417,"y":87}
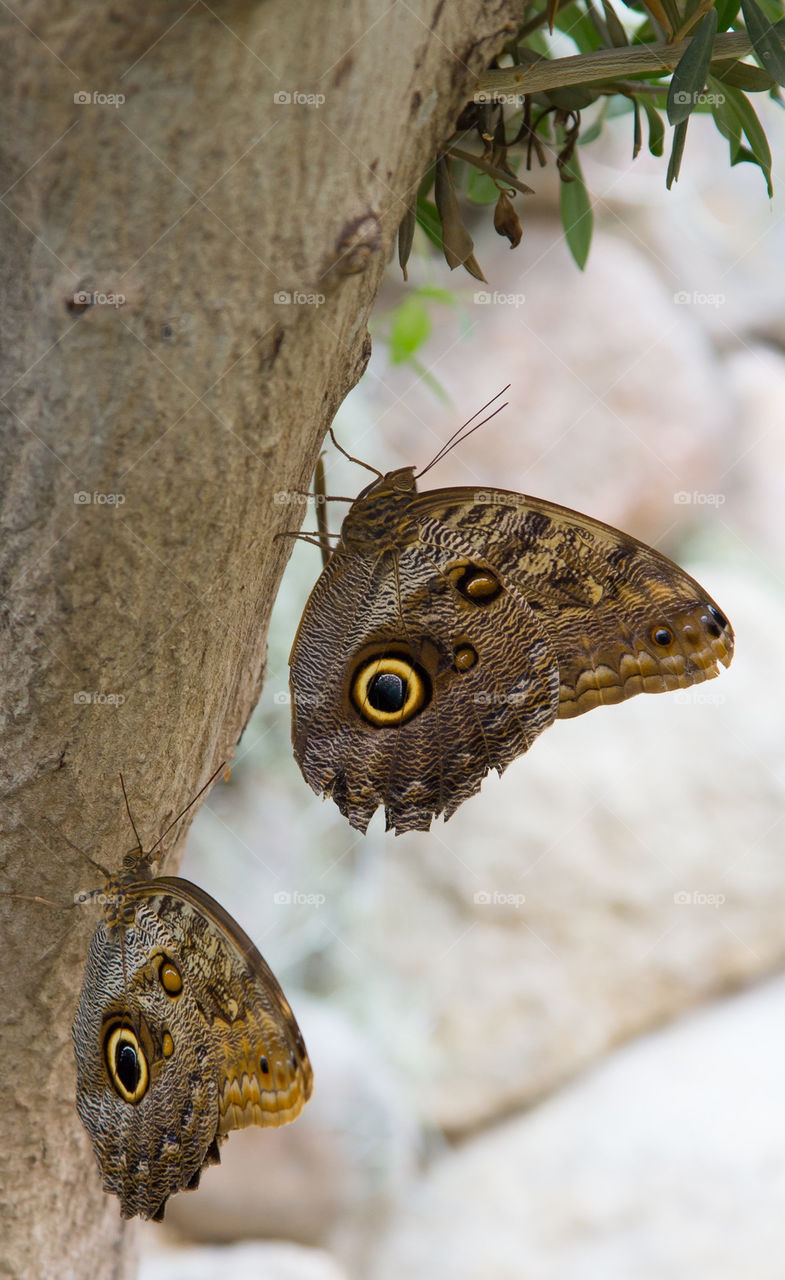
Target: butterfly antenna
{"x":182,"y":813}
{"x":458,"y":436}
{"x":130,"y":815}
{"x":99,"y":866}
{"x":359,"y":463}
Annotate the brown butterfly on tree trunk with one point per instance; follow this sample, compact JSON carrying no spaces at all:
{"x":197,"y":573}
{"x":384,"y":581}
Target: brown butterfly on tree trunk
{"x":449,"y":628}
{"x":182,"y":1033}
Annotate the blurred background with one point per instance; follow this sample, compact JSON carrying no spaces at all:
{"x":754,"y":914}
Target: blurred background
{"x":548,"y":1037}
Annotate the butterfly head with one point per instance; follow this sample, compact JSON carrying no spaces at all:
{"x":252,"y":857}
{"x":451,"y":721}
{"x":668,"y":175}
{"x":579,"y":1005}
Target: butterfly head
{"x":376,"y":515}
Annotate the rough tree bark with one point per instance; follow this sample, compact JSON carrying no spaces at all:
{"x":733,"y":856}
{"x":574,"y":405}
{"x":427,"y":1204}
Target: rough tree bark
{"x":197,"y":199}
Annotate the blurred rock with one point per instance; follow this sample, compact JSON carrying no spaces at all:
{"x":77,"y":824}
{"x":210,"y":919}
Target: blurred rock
{"x":667,"y":1160}
{"x":627,"y":867}
{"x":274,"y":1261}
{"x":756,"y":377}
{"x":330,"y":1178}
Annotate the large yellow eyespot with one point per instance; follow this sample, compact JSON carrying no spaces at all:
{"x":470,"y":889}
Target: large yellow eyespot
{"x":388,"y":689}
{"x":169,"y":976}
{"x":126,"y":1063}
{"x":475,"y":583}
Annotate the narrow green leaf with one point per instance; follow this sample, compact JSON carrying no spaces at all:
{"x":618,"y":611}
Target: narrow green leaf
{"x":411,"y":326}
{"x":637,"y":135}
{"x":576,"y":212}
{"x":615,"y":29}
{"x":428,"y":218}
{"x":742,"y":75}
{"x":677,"y":151}
{"x":405,"y":238}
{"x":579,"y":27}
{"x":765,"y":42}
{"x":726,"y":12}
{"x":656,"y":128}
{"x":689,"y":78}
{"x":725,"y":118}
{"x":753,"y":130}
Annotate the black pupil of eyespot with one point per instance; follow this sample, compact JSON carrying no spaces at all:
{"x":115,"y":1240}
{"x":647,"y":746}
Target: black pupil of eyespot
{"x":717,"y":616}
{"x":662,"y":636}
{"x":387,"y":692}
{"x":127,"y":1067}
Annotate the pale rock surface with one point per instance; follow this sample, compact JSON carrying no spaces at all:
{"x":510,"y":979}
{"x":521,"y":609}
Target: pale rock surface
{"x":666,"y":1162}
{"x":273,"y":1260}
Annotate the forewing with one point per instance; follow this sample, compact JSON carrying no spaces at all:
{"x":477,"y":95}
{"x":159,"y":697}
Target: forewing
{"x":264,"y":1075}
{"x":622,"y":618}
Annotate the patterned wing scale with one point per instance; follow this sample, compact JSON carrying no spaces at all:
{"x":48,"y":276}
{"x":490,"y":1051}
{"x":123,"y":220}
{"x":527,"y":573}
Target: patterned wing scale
{"x":182,"y":1033}
{"x":483,"y":664}
{"x":264,"y":1073}
{"x":504,"y":612}
{"x":622,"y":618}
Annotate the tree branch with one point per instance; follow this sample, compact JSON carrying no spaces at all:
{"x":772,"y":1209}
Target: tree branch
{"x":604,"y":64}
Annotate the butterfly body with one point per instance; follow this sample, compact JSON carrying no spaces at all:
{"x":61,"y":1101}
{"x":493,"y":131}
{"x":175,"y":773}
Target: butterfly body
{"x":450,"y":627}
{"x":182,"y":1033}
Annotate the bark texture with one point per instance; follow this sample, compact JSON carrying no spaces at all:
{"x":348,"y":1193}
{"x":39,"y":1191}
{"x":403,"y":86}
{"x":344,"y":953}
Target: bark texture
{"x":143,"y":444}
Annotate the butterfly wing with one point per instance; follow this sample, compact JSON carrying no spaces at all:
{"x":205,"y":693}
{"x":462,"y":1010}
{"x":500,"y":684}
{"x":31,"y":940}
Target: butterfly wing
{"x":622,"y":618}
{"x":476,"y":666}
{"x":178,"y":1014}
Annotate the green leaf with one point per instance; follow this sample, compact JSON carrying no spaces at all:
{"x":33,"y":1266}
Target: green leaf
{"x":411,"y":326}
{"x":742,"y":76}
{"x":429,"y":220}
{"x":677,"y":151}
{"x":579,"y":27}
{"x":689,"y":78}
{"x":576,"y":212}
{"x":656,"y":128}
{"x":615,"y":29}
{"x":481,"y":189}
{"x":765,"y":43}
{"x":726,"y":120}
{"x":752,"y":128}
{"x":637,"y":136}
{"x":726,"y":12}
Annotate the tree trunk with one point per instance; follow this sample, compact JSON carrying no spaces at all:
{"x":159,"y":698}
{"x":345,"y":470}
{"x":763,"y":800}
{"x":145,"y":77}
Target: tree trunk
{"x":156,"y":397}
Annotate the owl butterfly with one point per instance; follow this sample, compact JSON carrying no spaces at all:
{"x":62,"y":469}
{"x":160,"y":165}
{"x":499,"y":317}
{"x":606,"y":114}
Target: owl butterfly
{"x":448,"y":629}
{"x":181,"y":1034}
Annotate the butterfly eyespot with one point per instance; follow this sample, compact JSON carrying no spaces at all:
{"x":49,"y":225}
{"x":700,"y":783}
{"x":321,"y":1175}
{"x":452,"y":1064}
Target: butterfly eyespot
{"x":389,"y":689}
{"x":167,"y":1045}
{"x":126,"y":1063}
{"x":711,"y":626}
{"x":662,"y":636}
{"x":464,"y":657}
{"x":169,"y":977}
{"x":293,"y":1061}
{"x":717,"y":616}
{"x":476,"y":584}
{"x":264,"y":1066}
